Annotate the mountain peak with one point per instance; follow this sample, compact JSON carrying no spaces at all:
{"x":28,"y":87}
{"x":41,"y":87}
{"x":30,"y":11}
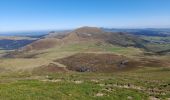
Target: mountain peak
{"x":87,"y":29}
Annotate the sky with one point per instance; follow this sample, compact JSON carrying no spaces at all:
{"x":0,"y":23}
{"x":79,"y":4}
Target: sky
{"x":24,"y":15}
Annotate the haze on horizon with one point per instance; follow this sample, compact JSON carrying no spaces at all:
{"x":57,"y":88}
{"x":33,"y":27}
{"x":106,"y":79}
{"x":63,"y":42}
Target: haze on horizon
{"x":20,"y":15}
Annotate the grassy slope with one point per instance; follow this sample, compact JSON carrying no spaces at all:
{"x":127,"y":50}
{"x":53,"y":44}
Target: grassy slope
{"x":87,"y":86}
{"x":47,"y":56}
{"x":24,"y":85}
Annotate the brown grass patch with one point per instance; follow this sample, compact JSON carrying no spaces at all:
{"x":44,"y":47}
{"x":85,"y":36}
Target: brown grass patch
{"x":91,"y":62}
{"x":51,"y":68}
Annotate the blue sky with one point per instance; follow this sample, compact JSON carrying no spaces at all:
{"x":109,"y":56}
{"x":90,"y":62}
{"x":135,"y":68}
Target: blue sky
{"x":22,"y":15}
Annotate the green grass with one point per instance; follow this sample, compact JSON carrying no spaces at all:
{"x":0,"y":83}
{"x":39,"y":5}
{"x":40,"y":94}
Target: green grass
{"x":36,"y":90}
{"x":112,"y":86}
{"x":90,"y":47}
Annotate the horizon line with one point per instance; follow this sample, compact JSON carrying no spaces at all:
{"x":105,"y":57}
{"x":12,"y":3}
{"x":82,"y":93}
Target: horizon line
{"x":62,"y":29}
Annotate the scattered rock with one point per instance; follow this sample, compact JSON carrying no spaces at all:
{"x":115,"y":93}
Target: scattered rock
{"x":123,"y":63}
{"x":47,"y":80}
{"x":153,"y":98}
{"x":101,"y":85}
{"x":78,"y":82}
{"x":109,"y":89}
{"x":129,"y":98}
{"x":95,"y":81}
{"x":99,"y":94}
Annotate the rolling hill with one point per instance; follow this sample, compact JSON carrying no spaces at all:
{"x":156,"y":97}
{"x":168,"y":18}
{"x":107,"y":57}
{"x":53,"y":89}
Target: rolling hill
{"x":86,"y":34}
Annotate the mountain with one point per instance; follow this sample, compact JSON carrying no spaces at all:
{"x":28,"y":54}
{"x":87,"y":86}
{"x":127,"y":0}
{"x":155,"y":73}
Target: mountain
{"x":92,"y":39}
{"x":152,"y":40}
{"x":86,"y":34}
